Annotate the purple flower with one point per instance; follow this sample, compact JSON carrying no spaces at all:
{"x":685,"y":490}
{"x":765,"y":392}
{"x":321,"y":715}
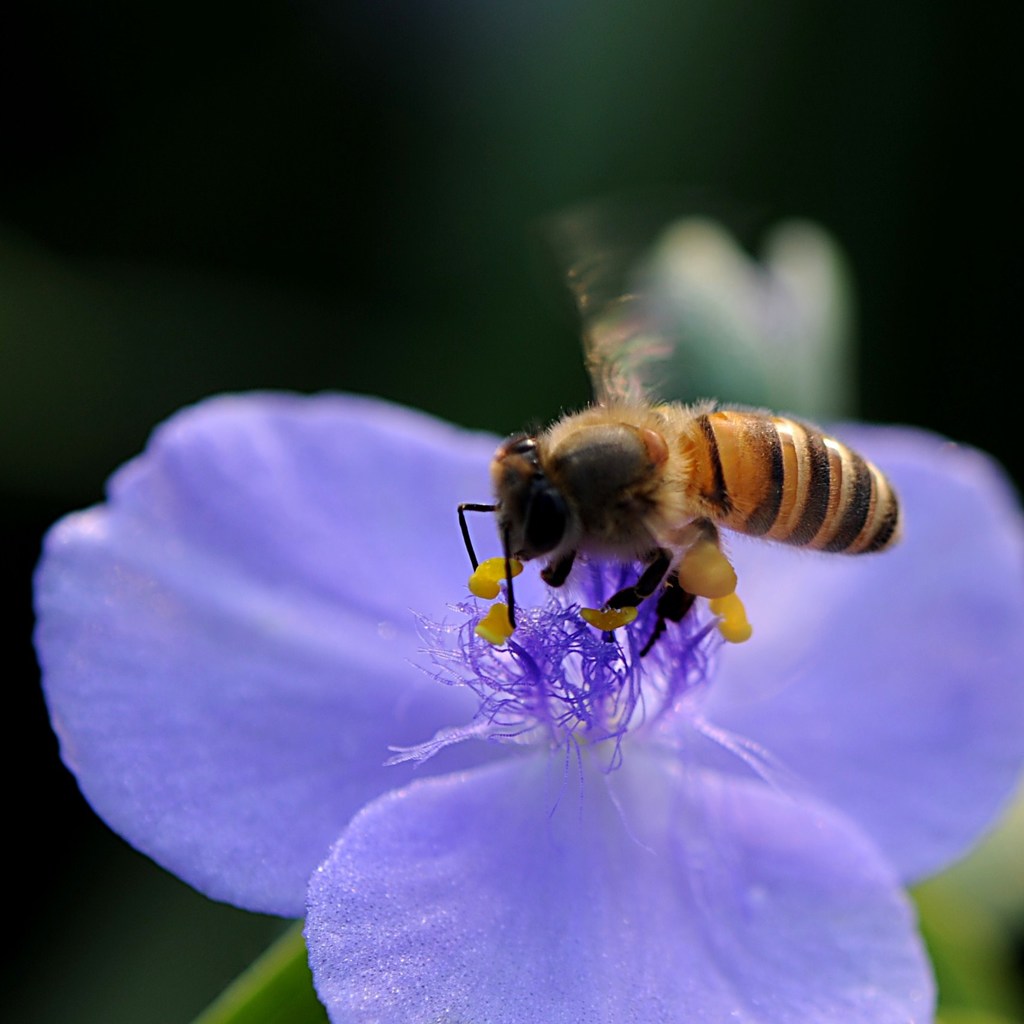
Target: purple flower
{"x":261,"y":616}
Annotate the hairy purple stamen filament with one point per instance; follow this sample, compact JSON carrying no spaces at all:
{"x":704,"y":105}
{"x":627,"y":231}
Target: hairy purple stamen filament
{"x":559,"y":681}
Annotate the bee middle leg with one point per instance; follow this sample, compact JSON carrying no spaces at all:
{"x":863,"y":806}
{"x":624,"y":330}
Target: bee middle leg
{"x":630,"y":597}
{"x":673,"y":604}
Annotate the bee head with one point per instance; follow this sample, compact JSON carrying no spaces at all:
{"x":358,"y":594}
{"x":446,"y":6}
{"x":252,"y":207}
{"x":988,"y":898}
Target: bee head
{"x":532,"y":514}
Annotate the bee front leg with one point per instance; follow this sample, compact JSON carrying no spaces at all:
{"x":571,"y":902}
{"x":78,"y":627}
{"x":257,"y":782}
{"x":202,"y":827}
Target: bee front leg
{"x":555,"y":574}
{"x":630,"y":597}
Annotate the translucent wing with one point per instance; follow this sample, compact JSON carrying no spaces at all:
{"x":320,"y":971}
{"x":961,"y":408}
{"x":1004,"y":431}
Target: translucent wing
{"x":599,"y":249}
{"x":675,"y":310}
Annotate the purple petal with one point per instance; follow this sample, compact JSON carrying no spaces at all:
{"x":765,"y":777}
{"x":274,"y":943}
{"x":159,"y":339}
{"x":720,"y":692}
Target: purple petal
{"x":226,"y":643}
{"x":709,"y":898}
{"x":893,"y":685}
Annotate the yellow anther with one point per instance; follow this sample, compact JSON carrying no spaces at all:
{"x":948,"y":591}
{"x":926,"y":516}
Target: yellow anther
{"x":608,"y":619}
{"x":733,"y":623}
{"x":488,"y":574}
{"x":494,"y":627}
{"x":706,"y":572}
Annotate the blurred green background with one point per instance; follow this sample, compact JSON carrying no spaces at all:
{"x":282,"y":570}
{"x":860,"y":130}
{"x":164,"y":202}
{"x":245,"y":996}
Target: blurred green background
{"x":200,"y":197}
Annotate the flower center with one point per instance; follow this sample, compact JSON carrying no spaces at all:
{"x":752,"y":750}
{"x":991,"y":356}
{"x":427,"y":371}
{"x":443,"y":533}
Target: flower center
{"x":560,"y":681}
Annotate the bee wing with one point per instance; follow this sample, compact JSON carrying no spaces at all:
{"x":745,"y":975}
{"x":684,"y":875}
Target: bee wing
{"x":678,"y":311}
{"x":622,"y":346}
{"x":599,"y":250}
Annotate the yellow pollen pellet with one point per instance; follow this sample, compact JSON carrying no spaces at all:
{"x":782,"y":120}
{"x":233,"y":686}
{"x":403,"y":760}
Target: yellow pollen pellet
{"x":494,"y":627}
{"x":608,"y":618}
{"x":488,"y":574}
{"x":706,"y":572}
{"x":733,"y":624}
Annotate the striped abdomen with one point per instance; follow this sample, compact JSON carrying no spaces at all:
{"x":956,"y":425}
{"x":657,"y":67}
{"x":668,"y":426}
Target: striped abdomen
{"x":776,"y":478}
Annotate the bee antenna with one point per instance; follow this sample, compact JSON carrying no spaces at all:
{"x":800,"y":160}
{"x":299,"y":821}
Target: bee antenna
{"x":468,"y":506}
{"x":508,"y":578}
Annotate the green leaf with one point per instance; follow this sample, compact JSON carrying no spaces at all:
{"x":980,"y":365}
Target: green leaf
{"x":971,"y":952}
{"x":971,"y":1017}
{"x":276,"y":989}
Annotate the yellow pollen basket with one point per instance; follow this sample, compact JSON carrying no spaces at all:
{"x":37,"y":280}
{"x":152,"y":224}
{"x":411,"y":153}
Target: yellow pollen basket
{"x":494,"y":627}
{"x":733,"y":624}
{"x":706,"y":572}
{"x":489,"y":574}
{"x":609,"y":618}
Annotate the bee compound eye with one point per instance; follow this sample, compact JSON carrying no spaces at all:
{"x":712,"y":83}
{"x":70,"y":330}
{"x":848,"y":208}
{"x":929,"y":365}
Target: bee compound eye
{"x":524,"y":445}
{"x":546,"y":519}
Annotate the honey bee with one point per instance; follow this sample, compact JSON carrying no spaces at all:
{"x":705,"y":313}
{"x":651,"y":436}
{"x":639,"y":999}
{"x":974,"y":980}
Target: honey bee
{"x":635,"y":480}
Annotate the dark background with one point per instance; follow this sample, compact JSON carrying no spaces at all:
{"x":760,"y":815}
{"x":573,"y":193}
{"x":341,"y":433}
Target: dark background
{"x":201,"y":197}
